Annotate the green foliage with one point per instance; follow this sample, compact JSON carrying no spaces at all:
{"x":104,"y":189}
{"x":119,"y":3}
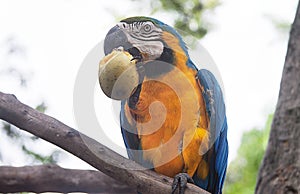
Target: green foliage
{"x":12,"y":51}
{"x":189,"y":14}
{"x":10,"y":130}
{"x":22,"y":138}
{"x":243,"y":170}
{"x":282,"y":26}
{"x":41,"y":107}
{"x":51,"y":159}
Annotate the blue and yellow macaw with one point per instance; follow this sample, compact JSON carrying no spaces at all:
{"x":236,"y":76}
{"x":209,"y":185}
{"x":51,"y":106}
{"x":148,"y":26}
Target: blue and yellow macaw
{"x":174,"y":122}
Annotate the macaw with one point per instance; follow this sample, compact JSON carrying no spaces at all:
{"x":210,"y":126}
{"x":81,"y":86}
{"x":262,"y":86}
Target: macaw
{"x":174,"y":122}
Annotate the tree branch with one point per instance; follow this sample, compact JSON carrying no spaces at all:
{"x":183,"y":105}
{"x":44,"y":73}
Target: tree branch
{"x":87,"y":149}
{"x":52,"y":178}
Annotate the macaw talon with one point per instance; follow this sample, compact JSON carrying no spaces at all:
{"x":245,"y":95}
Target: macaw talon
{"x":180,"y":182}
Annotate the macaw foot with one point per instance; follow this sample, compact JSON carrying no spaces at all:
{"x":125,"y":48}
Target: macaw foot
{"x":180,"y":182}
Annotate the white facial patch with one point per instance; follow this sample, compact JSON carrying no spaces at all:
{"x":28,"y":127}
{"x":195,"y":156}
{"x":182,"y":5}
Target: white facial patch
{"x":153,"y":49}
{"x":145,"y":36}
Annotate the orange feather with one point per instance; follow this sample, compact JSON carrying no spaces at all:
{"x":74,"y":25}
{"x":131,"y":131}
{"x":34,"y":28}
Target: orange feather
{"x":171,"y":118}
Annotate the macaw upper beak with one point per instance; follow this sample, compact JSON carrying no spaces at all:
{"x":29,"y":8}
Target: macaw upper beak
{"x":114,"y":39}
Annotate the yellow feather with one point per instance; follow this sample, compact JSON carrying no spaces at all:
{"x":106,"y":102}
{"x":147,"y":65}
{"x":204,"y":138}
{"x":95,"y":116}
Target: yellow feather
{"x":171,"y":118}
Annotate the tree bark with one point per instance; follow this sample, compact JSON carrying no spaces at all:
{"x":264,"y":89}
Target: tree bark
{"x":87,"y":149}
{"x":280,"y":170}
{"x":52,"y":178}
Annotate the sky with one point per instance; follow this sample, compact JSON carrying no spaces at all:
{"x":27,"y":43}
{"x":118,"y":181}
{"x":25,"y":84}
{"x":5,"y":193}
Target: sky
{"x":58,"y":35}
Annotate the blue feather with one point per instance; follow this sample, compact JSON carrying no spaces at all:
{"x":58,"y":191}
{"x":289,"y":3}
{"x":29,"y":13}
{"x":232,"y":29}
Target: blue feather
{"x":218,"y":154}
{"x":131,"y":140}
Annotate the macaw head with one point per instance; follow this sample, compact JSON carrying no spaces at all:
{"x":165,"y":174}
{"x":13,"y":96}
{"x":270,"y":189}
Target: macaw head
{"x":155,"y":48}
{"x":149,"y":41}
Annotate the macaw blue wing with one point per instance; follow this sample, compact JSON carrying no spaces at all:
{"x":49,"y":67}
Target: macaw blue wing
{"x":218,"y":153}
{"x":131,"y":139}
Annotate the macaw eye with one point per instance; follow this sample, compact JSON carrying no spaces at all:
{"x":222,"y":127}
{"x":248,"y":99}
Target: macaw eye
{"x":147,"y":28}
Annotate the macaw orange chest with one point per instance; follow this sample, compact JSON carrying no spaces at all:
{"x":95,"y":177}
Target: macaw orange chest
{"x":171,"y":122}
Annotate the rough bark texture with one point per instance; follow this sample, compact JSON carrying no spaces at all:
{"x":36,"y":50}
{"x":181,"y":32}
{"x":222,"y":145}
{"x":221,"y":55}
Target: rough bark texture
{"x":45,"y":178}
{"x":87,"y":149}
{"x":280,"y":170}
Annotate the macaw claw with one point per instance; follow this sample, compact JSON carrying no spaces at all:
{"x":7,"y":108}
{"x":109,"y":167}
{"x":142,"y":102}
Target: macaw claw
{"x":180,"y":181}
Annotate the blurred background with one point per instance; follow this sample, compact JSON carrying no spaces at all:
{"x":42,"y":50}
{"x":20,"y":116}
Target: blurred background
{"x":43,"y":43}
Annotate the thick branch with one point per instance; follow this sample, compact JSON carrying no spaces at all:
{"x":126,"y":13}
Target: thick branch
{"x":52,"y":178}
{"x":87,"y":149}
